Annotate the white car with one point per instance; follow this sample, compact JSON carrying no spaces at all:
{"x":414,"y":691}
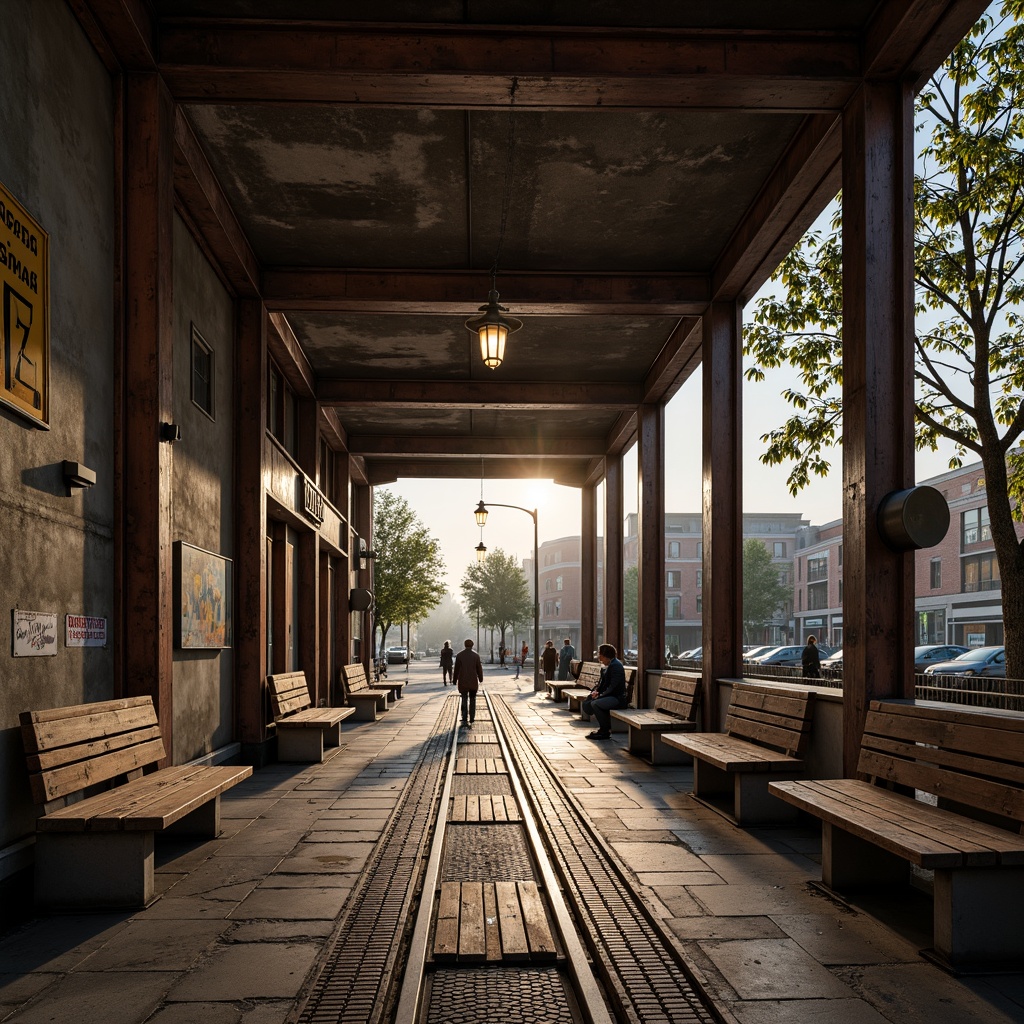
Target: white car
{"x":397,"y":655}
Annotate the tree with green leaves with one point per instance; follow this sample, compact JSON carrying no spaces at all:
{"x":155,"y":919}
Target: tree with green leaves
{"x":631,"y":600}
{"x":969,"y":201}
{"x":408,"y":568}
{"x":498,"y":589}
{"x":764,"y":593}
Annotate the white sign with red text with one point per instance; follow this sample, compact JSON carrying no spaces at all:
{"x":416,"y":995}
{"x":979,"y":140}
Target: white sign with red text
{"x":85,"y":631}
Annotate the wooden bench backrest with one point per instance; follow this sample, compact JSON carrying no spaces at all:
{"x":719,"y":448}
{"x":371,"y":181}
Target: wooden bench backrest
{"x":355,"y":678}
{"x":590,"y":674}
{"x":289,"y":693}
{"x":974,"y":758}
{"x":70,"y":749}
{"x":775,"y":718}
{"x":679,"y":694}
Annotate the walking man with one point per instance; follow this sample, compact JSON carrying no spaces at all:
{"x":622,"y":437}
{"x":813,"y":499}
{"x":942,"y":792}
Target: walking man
{"x":469,"y":674}
{"x":565,"y":656}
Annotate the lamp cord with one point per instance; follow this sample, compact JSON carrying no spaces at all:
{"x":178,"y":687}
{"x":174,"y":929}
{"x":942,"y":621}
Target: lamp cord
{"x":506,"y":196}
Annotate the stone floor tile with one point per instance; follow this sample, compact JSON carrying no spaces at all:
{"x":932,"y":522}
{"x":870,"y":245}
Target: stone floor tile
{"x":658,"y":857}
{"x":193,"y":1013}
{"x":151,"y":945}
{"x":762,"y":868}
{"x":707,"y":928}
{"x":90,"y":999}
{"x":226,"y":878}
{"x":342,"y":836}
{"x":280,"y":931}
{"x":321,"y":881}
{"x":676,"y":901}
{"x":772,"y":969}
{"x":657,"y":879}
{"x":59,"y":943}
{"x":326,"y":857}
{"x":251,"y":970}
{"x":807,"y":1011}
{"x":745,"y":900}
{"x":312,"y":904}
{"x":16,"y":989}
{"x":845,"y":938}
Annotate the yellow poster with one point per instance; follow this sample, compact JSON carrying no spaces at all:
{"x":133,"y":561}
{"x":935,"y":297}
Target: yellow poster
{"x":24,"y":312}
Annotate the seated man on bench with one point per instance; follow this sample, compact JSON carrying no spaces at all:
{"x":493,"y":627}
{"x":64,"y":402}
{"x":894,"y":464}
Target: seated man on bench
{"x":610,"y":693}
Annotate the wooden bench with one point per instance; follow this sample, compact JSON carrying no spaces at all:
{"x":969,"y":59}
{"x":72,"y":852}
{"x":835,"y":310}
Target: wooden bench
{"x":366,"y":700}
{"x":356,"y":674}
{"x":302,"y":730}
{"x":973,"y":761}
{"x":767,"y":732}
{"x":97,"y":851}
{"x":590,"y":676}
{"x":675,"y":710}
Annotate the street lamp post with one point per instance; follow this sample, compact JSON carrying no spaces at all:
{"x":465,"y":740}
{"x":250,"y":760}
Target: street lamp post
{"x":481,"y":519}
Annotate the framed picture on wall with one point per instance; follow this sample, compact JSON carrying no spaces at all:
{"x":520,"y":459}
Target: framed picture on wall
{"x":202,"y":595}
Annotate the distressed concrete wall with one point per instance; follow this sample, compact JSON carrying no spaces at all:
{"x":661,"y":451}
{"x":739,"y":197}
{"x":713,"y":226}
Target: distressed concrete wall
{"x":56,"y":553}
{"x":203,"y":490}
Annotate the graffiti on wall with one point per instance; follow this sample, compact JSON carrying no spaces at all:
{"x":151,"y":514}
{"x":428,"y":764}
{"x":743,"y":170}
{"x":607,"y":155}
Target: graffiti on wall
{"x":33,"y":634}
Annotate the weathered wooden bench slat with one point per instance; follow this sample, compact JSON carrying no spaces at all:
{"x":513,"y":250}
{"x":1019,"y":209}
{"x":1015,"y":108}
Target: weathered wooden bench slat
{"x":354,"y":677}
{"x":972,"y":840}
{"x":675,"y":709}
{"x":60,"y":727}
{"x":303,"y":731}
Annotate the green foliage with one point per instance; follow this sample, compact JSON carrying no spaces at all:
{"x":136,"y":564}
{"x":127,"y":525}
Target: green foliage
{"x":498,"y":589}
{"x":763,"y":592}
{"x":408,"y":568}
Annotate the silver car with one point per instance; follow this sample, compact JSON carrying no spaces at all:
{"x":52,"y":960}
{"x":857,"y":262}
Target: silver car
{"x":979,"y":661}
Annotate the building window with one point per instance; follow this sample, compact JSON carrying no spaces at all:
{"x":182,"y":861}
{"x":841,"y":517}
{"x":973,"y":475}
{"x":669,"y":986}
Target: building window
{"x":700,"y":604}
{"x":672,"y":580}
{"x":840,"y":591}
{"x":282,"y":414}
{"x":558,"y":583}
{"x":547,"y":586}
{"x":817,"y":596}
{"x":799,"y":600}
{"x":700,"y":578}
{"x":673,"y":549}
{"x":558,"y":607}
{"x":202,"y":373}
{"x":840,"y":554}
{"x":779,"y":549}
{"x":817,"y":568}
{"x":936,"y":573}
{"x":784,"y":577}
{"x":700,"y":549}
{"x":974,"y":527}
{"x":672,"y":606}
{"x":980,"y":573}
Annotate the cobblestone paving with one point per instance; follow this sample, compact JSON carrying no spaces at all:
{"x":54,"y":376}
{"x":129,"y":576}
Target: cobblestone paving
{"x":529,"y":995}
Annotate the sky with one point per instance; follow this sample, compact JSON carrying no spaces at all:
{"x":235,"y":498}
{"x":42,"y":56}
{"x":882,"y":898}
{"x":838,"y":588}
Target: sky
{"x":446,"y":507}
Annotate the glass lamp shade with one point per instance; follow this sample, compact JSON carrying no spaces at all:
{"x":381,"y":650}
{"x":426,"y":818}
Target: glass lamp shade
{"x":481,"y":552}
{"x":493,"y":329}
{"x":481,"y":514}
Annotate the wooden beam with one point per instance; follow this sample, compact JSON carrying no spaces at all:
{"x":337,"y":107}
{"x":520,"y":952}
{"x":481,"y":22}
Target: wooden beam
{"x":448,"y":445}
{"x":209,"y":210}
{"x":722,"y":631}
{"x":333,"y":430}
{"x":622,"y":434}
{"x":613,"y":521}
{"x":292,"y":361}
{"x":806,"y":178}
{"x":878,"y":399}
{"x":569,"y":472}
{"x":595,"y":473}
{"x":456,"y":292}
{"x":676,"y":361}
{"x":148,"y":382}
{"x":588,"y":570}
{"x":469,"y":66}
{"x":651,"y":536}
{"x":472,"y":394}
{"x":121,"y":32}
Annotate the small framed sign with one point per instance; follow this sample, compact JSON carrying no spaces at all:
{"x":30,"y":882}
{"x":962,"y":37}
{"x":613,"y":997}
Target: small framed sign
{"x":85,"y":631}
{"x":33,"y":634}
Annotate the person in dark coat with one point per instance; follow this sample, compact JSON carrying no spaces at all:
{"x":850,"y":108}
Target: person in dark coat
{"x":469,"y":674}
{"x":549,"y":659}
{"x":811,"y":659}
{"x":447,"y":660}
{"x":610,"y":692}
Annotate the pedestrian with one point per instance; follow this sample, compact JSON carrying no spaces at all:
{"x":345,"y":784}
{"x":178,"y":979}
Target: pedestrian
{"x":502,"y":651}
{"x":523,"y":653}
{"x":447,"y":659}
{"x":565,"y":656}
{"x":810,"y":658}
{"x":468,"y":675}
{"x":549,"y":659}
{"x":609,"y":693}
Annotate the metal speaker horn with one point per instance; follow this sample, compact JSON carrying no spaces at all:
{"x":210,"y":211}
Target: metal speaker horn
{"x":915,"y":518}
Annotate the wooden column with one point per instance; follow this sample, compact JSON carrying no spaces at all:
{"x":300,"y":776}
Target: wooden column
{"x":362,"y":521}
{"x":651,"y":538}
{"x":147,"y":632}
{"x":250,"y":566}
{"x":878,"y":388}
{"x":588,"y":572}
{"x":613,"y":514}
{"x":310,"y":607}
{"x":722,"y":616}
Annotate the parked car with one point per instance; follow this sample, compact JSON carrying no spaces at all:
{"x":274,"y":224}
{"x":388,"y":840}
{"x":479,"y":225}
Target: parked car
{"x":832,"y":666}
{"x":755,"y":651}
{"x":398,"y":655}
{"x":629,"y":656}
{"x":693,"y":654}
{"x":788,"y":656}
{"x":978,"y":661}
{"x":931,"y":654}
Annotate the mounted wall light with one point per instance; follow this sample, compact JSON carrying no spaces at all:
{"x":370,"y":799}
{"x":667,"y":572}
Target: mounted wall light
{"x":170,"y":432}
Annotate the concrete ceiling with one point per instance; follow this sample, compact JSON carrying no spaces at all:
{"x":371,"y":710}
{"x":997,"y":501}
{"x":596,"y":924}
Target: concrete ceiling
{"x":350,"y":174}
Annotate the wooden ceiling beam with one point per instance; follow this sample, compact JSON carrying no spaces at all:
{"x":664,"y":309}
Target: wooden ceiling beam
{"x":469,"y":66}
{"x":385,"y":471}
{"x":454,"y":445}
{"x":474,"y":394}
{"x":457,"y":292}
{"x":291,"y":360}
{"x":622,"y":434}
{"x":121,"y":31}
{"x":676,"y":361}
